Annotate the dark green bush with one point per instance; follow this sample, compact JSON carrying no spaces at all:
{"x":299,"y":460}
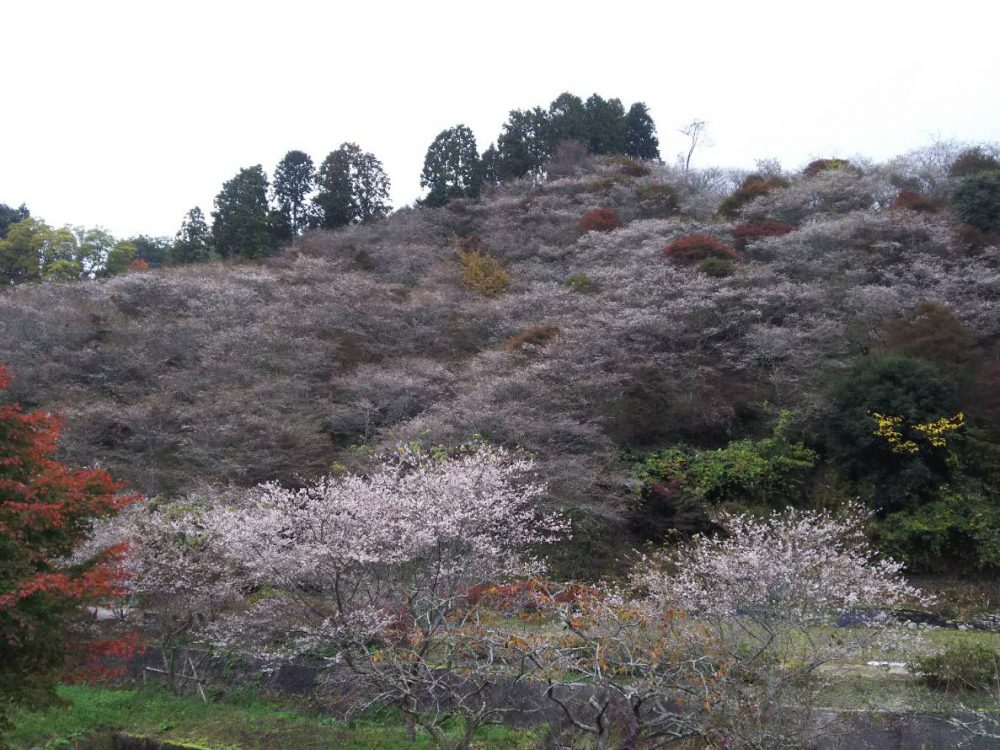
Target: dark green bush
{"x":717,"y":267}
{"x":962,"y":526}
{"x":963,"y":667}
{"x":977,"y":201}
{"x":898,"y":386}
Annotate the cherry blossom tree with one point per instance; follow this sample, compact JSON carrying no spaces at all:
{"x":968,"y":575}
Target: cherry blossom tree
{"x":795,"y":565}
{"x":175,"y":581}
{"x":370,"y":572}
{"x":769,"y":589}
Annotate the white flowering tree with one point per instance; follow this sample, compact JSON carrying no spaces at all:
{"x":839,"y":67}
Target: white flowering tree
{"x":769,"y":589}
{"x":373,"y":572}
{"x":175,"y":582}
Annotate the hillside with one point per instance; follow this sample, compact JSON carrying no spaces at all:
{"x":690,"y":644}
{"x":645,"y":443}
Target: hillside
{"x":600,"y":348}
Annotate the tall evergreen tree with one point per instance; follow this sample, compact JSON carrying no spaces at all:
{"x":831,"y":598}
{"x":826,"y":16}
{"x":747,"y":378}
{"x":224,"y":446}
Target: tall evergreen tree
{"x":242,"y":224}
{"x":640,"y":133}
{"x":371,"y":185}
{"x":294,"y":178}
{"x":489,"y":166}
{"x":451,"y":167}
{"x":567,"y":120}
{"x":353,"y":187}
{"x":193,"y":242}
{"x":523,"y":144}
{"x":606,"y":125}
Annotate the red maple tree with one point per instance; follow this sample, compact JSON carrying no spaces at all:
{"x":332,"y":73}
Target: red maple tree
{"x":46,"y":510}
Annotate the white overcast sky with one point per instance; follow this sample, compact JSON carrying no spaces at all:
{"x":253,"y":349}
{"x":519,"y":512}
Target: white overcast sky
{"x":126,"y":114}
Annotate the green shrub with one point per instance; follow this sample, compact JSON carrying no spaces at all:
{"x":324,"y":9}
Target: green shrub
{"x":717,"y":267}
{"x":680,"y":480}
{"x":962,"y":525}
{"x":962,"y":667}
{"x":581,"y":283}
{"x":977,"y":201}
{"x":482,"y":272}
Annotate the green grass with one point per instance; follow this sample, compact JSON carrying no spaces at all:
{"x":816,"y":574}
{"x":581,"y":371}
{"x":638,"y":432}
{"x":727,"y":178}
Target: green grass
{"x":222,"y":725}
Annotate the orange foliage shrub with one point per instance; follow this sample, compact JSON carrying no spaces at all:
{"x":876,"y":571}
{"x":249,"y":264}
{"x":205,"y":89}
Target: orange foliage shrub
{"x":538,"y":335}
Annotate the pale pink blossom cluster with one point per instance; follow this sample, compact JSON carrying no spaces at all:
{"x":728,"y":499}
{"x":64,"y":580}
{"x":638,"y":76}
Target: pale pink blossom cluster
{"x":350,"y":556}
{"x":795,"y":564}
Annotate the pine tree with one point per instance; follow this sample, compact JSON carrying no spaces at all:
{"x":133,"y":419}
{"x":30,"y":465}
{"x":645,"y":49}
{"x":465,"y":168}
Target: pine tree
{"x":353,"y":188}
{"x":567,"y":121}
{"x":523,"y":144}
{"x":451,"y":167}
{"x":489,"y":167}
{"x":606,"y":125}
{"x":193,"y":243}
{"x":640,"y":133}
{"x":242,"y":222}
{"x":294,"y":178}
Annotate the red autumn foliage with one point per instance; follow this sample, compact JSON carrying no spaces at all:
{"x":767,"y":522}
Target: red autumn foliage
{"x":138,"y":265}
{"x":697,"y":247}
{"x":45,"y":511}
{"x":744,"y":234}
{"x":599,"y":220}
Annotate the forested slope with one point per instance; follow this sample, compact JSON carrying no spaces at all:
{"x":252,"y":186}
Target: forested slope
{"x":503,"y":318}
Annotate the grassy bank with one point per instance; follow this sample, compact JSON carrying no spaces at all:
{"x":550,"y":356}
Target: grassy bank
{"x":229,"y":724}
